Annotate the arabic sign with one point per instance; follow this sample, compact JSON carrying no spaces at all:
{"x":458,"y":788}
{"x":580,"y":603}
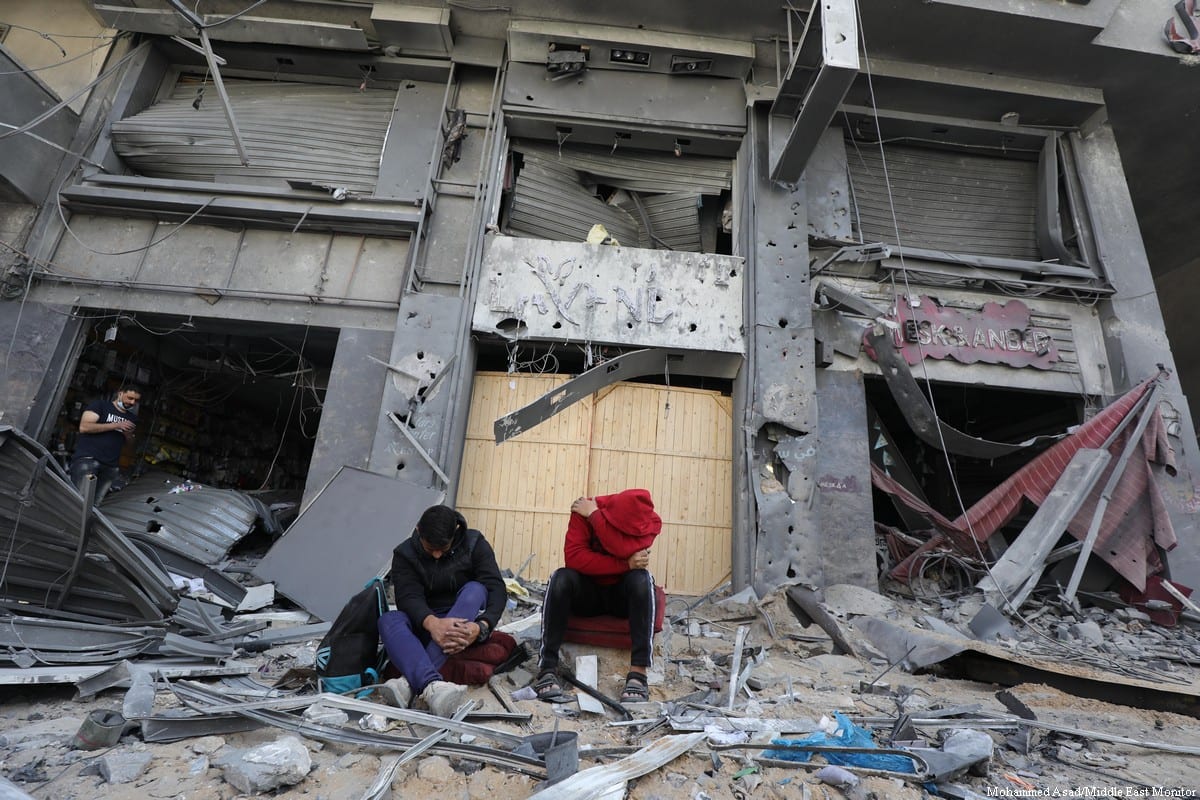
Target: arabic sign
{"x":996,"y":334}
{"x":567,"y":291}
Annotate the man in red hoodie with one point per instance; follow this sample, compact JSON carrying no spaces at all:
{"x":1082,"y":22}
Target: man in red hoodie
{"x":607,"y":555}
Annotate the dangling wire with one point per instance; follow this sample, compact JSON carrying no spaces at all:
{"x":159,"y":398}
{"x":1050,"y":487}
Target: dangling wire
{"x":667,"y":377}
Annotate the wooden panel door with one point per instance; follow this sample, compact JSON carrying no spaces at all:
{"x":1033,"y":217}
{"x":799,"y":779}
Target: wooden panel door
{"x":677,"y":443}
{"x":519,"y":493}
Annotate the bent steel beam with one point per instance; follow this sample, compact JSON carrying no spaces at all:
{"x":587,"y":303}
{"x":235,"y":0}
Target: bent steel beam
{"x":623,"y":367}
{"x":919,"y":413}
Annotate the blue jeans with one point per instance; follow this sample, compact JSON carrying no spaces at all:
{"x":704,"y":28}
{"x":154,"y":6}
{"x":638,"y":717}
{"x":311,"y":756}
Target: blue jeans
{"x":81,"y":468}
{"x":413,"y":652}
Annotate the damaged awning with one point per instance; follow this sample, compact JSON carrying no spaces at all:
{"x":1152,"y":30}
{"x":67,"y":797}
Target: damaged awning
{"x":1134,"y":525}
{"x":60,"y":558}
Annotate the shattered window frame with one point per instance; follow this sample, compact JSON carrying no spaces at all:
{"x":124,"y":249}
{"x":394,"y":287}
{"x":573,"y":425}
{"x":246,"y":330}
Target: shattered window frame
{"x":1070,"y":263}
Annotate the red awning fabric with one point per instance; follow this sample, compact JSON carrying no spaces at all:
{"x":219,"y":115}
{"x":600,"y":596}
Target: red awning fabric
{"x":1136,"y":518}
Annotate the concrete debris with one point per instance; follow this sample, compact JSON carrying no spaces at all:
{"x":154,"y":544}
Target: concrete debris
{"x":124,"y":767}
{"x":283,"y":762}
{"x":435,"y":769}
{"x":785,"y":677}
{"x":325,"y":715}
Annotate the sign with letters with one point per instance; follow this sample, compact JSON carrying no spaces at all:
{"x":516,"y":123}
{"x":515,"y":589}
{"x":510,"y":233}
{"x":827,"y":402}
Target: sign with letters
{"x":995,"y":334}
{"x":568,"y":291}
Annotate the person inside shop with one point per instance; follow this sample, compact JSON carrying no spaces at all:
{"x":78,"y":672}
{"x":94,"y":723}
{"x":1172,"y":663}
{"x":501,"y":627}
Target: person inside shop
{"x":103,"y":430}
{"x":607,"y":555}
{"x":449,"y":596}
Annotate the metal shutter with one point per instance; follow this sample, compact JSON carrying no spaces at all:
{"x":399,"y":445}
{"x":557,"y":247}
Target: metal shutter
{"x":955,"y":202}
{"x":639,"y":170}
{"x":292,"y":131}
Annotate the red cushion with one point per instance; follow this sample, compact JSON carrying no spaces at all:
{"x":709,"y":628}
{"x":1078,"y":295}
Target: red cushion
{"x":609,"y":631}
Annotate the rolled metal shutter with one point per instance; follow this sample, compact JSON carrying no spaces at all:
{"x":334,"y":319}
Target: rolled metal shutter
{"x":329,"y":135}
{"x":956,"y":202}
{"x":549,"y":202}
{"x":639,"y":170}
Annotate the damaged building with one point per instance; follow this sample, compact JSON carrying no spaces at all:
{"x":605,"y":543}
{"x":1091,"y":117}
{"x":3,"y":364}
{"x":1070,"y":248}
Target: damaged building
{"x":870,"y":296}
{"x":809,"y":282}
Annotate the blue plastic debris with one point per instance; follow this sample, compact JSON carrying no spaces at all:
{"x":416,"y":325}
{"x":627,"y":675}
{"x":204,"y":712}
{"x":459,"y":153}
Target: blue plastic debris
{"x":847,"y":734}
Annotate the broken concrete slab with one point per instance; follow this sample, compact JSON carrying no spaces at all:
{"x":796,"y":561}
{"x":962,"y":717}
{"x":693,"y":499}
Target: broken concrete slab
{"x":283,"y":762}
{"x":997,"y":664}
{"x":846,"y":600}
{"x":124,"y":767}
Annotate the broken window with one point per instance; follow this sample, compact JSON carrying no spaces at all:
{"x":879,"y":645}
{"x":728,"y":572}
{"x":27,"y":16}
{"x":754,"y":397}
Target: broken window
{"x":643,"y":199}
{"x":944,"y":480}
{"x":984,"y":205}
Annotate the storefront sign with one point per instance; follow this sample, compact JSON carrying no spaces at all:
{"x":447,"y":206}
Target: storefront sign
{"x":569,"y":291}
{"x":996,"y":334}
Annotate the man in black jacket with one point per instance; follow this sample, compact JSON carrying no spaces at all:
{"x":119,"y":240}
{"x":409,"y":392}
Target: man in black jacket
{"x":449,"y":595}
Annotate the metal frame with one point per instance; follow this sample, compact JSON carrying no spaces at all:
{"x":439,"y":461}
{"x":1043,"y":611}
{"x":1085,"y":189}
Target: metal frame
{"x":823,"y":91}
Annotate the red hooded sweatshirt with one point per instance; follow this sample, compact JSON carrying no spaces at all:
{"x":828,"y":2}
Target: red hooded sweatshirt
{"x":622,"y":524}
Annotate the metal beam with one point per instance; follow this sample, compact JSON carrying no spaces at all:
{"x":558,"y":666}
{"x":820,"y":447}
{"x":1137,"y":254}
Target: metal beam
{"x":623,"y":367}
{"x":825,"y":84}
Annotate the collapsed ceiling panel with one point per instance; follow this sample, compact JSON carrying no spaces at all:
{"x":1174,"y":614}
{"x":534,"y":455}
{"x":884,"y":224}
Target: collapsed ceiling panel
{"x":550,"y":202}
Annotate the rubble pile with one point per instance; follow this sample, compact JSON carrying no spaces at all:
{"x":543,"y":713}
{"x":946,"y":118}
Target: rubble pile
{"x":747,"y":702}
{"x":158,"y":665}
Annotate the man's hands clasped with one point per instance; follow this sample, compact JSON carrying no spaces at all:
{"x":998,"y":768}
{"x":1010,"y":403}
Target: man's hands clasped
{"x":640,"y":559}
{"x":452,"y":634}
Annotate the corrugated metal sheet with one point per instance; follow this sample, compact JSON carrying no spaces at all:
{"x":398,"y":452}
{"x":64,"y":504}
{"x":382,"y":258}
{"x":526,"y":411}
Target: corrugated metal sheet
{"x":202,"y":524}
{"x":673,"y":220}
{"x":956,"y":202}
{"x":550,"y":202}
{"x":292,"y":131}
{"x":49,"y":564}
{"x":638,"y":170}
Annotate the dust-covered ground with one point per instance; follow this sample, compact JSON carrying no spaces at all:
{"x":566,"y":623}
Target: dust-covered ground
{"x":795,"y":676}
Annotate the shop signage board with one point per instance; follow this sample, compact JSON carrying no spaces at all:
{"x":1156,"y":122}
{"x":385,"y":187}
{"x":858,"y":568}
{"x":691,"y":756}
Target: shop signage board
{"x":567,"y":291}
{"x":995,"y":334}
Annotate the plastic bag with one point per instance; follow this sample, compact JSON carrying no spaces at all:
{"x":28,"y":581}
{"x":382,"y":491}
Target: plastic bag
{"x":846,"y":734}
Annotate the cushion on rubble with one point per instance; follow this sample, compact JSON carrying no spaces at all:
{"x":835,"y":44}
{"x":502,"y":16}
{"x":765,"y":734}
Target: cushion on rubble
{"x":609,"y":631}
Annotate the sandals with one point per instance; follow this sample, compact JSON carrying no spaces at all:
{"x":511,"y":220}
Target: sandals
{"x":549,"y":690}
{"x":636,"y":690}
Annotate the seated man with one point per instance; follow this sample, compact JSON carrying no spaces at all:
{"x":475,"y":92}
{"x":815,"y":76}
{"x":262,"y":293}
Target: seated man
{"x":607,"y":555}
{"x":449,"y":595}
